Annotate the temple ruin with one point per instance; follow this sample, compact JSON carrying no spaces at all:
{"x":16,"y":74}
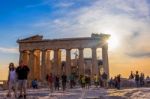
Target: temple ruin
{"x":35,"y":52}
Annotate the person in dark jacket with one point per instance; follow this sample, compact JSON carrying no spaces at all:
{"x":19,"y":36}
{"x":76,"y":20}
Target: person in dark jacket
{"x":22,"y":72}
{"x":50,"y":82}
{"x":56,"y":82}
{"x":142,"y":77}
{"x":104,"y":78}
{"x":131,"y":75}
{"x":64,"y":81}
{"x":137,"y":79}
{"x":118,"y":81}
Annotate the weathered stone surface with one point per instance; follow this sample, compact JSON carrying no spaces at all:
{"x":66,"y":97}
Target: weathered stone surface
{"x":28,"y":52}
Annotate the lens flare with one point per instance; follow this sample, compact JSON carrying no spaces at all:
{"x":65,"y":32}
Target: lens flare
{"x":113,"y":42}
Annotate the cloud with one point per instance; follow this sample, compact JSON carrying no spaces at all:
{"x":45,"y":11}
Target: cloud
{"x":37,"y":4}
{"x":128,"y":20}
{"x":9,"y":50}
{"x":139,"y":55}
{"x":63,"y":4}
{"x":52,"y":4}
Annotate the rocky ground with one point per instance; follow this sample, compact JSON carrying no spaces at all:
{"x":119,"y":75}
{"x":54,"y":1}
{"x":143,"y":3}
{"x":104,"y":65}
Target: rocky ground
{"x":92,"y":93}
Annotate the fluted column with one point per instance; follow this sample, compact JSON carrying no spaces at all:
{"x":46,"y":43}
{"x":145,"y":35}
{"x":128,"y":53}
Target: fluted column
{"x":105,"y":59}
{"x":81,"y":62}
{"x":26,"y":57}
{"x":43,"y":68}
{"x":59,"y":63}
{"x":56,"y":62}
{"x":48,"y":68}
{"x":94,"y":62}
{"x":31,"y":64}
{"x":38,"y":72}
{"x":68,"y":62}
{"x":21,"y":56}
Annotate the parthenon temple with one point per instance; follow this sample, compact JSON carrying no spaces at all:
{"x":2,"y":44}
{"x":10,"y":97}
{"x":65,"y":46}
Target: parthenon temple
{"x":35,"y":52}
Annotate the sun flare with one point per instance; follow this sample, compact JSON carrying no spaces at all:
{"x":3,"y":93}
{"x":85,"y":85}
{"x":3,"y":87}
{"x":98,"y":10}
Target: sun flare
{"x":113,"y":42}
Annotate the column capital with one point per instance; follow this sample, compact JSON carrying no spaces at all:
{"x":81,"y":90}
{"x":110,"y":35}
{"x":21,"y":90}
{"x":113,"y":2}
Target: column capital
{"x":94,"y":48}
{"x":43,"y":50}
{"x":48,"y":50}
{"x":55,"y":49}
{"x":105,"y":46}
{"x":31,"y":51}
{"x":81,"y":48}
{"x":23,"y":51}
{"x":68,"y":49}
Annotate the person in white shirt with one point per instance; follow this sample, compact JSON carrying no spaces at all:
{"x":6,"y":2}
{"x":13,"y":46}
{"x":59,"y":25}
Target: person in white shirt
{"x":12,"y":80}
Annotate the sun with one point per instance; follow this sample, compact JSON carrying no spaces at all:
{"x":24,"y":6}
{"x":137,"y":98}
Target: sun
{"x":114,"y":39}
{"x":113,"y":42}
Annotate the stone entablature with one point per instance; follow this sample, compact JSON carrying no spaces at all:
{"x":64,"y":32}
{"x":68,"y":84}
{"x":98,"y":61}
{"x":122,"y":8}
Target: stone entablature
{"x":66,"y":43}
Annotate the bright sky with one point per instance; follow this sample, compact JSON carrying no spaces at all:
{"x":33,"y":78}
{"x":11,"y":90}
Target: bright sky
{"x":127,"y":21}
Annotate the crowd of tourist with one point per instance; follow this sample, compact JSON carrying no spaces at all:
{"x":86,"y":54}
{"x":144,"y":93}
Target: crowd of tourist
{"x":139,"y":79}
{"x":85,"y":81}
{"x":115,"y":83}
{"x":17,"y":79}
{"x":134,"y":80}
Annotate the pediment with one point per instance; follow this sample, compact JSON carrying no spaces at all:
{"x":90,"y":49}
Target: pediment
{"x":32,"y":38}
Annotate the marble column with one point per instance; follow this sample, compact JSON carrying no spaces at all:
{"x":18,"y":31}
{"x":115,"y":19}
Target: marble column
{"x":43,"y":67}
{"x":59,"y":62}
{"x":37,"y":64}
{"x":48,"y":68}
{"x":31,"y":64}
{"x":105,"y":59}
{"x":81,"y":62}
{"x":68,"y":62}
{"x":21,"y":56}
{"x":94,"y":62}
{"x":55,"y":62}
{"x":24,"y":57}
